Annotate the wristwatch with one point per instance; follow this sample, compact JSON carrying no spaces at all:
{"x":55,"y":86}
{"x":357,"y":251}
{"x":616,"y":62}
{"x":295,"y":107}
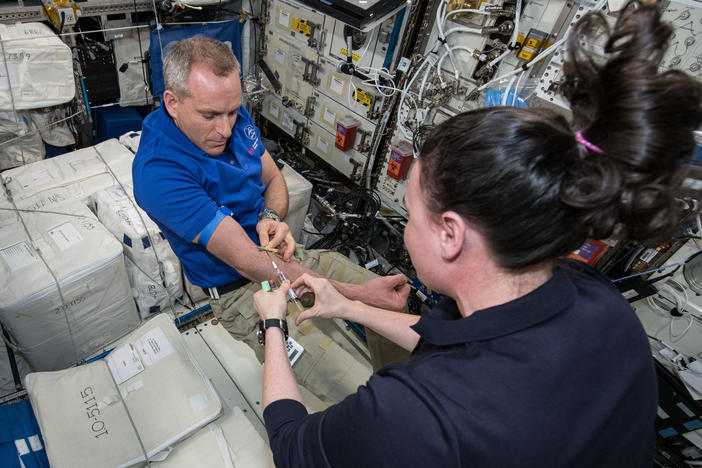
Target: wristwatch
{"x":265,"y":324}
{"x":269,"y":213}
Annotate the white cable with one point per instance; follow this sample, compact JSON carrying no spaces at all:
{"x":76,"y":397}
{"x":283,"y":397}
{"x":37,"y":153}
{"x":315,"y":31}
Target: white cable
{"x":536,"y":59}
{"x":516,"y":88}
{"x":423,"y":84}
{"x":441,"y":59}
{"x":545,"y":53}
{"x":466,"y":10}
{"x":509,"y":86}
{"x":463,"y":29}
{"x":675,"y":338}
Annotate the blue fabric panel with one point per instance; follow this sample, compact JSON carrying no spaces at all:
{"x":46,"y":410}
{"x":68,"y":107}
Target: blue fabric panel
{"x":17,"y":422}
{"x":228,"y":32}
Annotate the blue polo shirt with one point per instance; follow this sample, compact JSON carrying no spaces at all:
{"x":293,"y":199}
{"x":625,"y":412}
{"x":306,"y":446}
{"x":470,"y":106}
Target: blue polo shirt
{"x":187,"y":191}
{"x":561,"y":377}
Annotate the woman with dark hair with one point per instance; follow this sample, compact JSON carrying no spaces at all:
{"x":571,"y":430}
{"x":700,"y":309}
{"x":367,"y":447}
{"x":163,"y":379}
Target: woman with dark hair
{"x":532,"y":360}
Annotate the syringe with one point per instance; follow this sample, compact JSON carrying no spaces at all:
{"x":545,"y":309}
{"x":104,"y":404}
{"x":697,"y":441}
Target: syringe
{"x":281,"y":277}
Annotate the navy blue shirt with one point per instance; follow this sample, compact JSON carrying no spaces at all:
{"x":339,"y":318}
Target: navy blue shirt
{"x":561,"y":377}
{"x":187,"y":191}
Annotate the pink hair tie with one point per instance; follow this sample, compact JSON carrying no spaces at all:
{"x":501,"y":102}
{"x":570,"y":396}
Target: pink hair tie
{"x":587,"y":146}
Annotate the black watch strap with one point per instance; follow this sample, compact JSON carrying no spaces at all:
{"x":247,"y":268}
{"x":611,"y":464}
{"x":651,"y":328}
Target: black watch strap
{"x":263,"y":325}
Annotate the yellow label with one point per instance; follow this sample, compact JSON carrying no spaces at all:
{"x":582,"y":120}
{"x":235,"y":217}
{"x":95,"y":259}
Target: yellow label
{"x":363,"y":97}
{"x":353,"y":56}
{"x":301,"y":25}
{"x":533,"y":43}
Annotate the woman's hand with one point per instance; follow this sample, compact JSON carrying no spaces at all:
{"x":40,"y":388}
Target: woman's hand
{"x":272,"y":304}
{"x":328,"y":302}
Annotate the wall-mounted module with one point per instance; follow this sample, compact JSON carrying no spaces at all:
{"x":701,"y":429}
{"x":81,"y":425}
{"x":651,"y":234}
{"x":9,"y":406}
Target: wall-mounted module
{"x":296,"y":22}
{"x":295,"y":67}
{"x":368,"y":49}
{"x":361,"y":14}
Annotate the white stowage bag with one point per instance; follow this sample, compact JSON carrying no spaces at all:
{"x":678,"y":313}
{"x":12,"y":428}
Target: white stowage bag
{"x":40,"y":67}
{"x":7,"y":381}
{"x":299,"y":193}
{"x":64,"y":291}
{"x":131,"y":67}
{"x":53,"y":133}
{"x":76,"y":175}
{"x":159,"y":395}
{"x":147,"y":250}
{"x":229,"y":442}
{"x":131,"y":140}
{"x":20,"y":140}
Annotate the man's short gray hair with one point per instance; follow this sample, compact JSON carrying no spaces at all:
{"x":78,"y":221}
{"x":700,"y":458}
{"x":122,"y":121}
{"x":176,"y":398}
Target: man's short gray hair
{"x":181,"y":57}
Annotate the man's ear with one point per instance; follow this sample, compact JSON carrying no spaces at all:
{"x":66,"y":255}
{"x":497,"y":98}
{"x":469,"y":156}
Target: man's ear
{"x":453,"y":235}
{"x":170,"y":100}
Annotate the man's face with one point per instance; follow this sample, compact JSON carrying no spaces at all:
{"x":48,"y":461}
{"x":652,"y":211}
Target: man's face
{"x":207,"y":116}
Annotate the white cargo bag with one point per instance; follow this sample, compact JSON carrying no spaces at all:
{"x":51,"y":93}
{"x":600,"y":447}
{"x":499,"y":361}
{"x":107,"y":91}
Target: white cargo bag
{"x":64,"y":291}
{"x":131,"y":140}
{"x":299,"y":193}
{"x":20,"y":140}
{"x":155,"y":271}
{"x":52,"y":126}
{"x":83,"y":172}
{"x":131,"y":67}
{"x":149,"y":392}
{"x":229,"y":442}
{"x":40,"y":67}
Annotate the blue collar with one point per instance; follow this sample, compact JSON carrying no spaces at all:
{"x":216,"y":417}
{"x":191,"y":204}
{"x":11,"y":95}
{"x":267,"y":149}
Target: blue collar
{"x":444,"y":326}
{"x":170,"y":130}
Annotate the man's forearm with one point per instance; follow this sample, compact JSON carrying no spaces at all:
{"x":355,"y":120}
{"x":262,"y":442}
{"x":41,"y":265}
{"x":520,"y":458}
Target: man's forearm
{"x":395,"y":326}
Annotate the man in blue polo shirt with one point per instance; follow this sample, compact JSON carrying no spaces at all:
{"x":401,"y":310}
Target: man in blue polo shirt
{"x":203,"y":175}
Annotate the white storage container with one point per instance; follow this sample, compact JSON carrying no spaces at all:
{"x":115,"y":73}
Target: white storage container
{"x":81,"y":173}
{"x":131,"y":140}
{"x":20,"y":140}
{"x":40,"y":67}
{"x":149,"y":392}
{"x":64,"y":291}
{"x":154,"y":270}
{"x":299,"y":193}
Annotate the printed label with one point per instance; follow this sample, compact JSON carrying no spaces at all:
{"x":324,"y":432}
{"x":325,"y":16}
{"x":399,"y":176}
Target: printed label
{"x":287,"y":121}
{"x":284,"y":19}
{"x":34,"y":178}
{"x":337,"y":85}
{"x":294,"y":350}
{"x":153,"y":346}
{"x":274,"y":110}
{"x":329,"y":117}
{"x":19,"y":256}
{"x":124,"y":363}
{"x":279,"y":56}
{"x":648,"y":255}
{"x":65,"y":235}
{"x":322,"y":145}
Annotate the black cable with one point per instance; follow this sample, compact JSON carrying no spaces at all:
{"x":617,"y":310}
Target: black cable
{"x":141,"y":54}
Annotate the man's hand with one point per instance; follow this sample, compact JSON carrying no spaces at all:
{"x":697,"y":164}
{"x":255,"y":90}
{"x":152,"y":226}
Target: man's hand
{"x":276,"y":234}
{"x":273,"y":304}
{"x":386,"y":292}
